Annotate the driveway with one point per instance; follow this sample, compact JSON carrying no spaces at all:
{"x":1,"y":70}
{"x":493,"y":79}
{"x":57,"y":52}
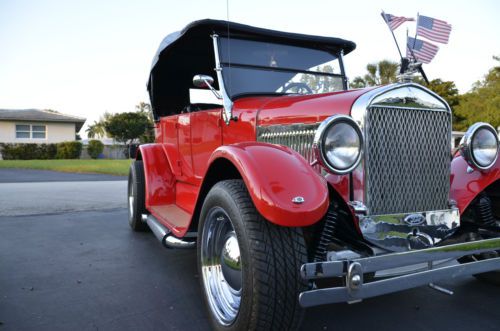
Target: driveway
{"x":30,"y":176}
{"x":84,"y":269}
{"x":38,"y":192}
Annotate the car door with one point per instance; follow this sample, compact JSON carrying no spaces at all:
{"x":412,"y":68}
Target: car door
{"x":206,"y":136}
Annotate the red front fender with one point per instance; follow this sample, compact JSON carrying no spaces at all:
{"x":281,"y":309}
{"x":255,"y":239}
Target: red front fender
{"x":274,"y":176}
{"x":466,"y":186}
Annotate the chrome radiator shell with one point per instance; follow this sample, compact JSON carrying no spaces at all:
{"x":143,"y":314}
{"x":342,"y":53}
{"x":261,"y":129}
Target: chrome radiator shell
{"x":405,"y":126}
{"x":406,"y":168}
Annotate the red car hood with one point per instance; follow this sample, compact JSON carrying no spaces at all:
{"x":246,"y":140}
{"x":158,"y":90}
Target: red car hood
{"x":307,"y":108}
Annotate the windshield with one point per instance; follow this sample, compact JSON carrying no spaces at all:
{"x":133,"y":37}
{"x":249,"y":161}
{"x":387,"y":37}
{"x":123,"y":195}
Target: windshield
{"x":256,"y":67}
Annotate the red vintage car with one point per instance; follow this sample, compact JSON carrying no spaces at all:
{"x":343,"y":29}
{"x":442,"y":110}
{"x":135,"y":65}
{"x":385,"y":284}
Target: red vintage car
{"x":297,"y":191}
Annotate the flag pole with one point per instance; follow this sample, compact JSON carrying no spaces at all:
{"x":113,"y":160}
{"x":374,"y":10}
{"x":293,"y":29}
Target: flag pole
{"x":416,"y":30}
{"x":407,"y":43}
{"x":411,"y":48}
{"x":392,"y":32}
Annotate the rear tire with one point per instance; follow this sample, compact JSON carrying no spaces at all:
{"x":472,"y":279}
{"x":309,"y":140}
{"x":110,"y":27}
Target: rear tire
{"x":260,"y":288}
{"x":136,"y":196}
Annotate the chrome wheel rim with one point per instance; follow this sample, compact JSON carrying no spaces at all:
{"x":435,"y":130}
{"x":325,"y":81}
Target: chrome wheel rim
{"x":130,"y":201}
{"x":221,"y":266}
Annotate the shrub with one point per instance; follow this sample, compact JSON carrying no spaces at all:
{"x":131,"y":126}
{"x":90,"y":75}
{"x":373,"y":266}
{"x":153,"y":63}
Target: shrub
{"x":69,"y":150}
{"x":28,"y":151}
{"x":47,"y":151}
{"x":95,"y":148}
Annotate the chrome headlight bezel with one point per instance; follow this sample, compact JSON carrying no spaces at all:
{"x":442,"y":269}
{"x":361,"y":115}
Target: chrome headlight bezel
{"x":467,"y":143}
{"x":319,"y":145}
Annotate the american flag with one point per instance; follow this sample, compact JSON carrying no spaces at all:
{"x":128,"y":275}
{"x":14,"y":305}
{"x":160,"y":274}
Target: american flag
{"x":433,"y":29}
{"x":424,"y":51}
{"x":395,"y":21}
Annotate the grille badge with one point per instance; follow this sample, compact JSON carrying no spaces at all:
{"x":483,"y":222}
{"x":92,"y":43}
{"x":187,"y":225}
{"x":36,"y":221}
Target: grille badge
{"x":414,"y":219}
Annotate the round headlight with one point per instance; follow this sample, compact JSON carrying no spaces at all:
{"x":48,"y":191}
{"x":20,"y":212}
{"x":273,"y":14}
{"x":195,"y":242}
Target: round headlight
{"x":338,"y":143}
{"x":479,"y":146}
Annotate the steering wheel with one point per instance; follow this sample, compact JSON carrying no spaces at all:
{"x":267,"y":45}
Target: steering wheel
{"x":300,"y":88}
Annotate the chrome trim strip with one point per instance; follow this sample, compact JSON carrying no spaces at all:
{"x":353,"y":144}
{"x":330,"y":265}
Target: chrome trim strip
{"x":317,"y":270}
{"x":396,"y":284}
{"x":226,"y":101}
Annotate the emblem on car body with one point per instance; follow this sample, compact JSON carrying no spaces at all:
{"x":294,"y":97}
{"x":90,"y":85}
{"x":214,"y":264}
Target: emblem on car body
{"x":414,"y":219}
{"x":298,"y":200}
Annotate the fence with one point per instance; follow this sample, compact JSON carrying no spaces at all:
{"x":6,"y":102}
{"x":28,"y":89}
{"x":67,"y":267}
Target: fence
{"x":109,"y":152}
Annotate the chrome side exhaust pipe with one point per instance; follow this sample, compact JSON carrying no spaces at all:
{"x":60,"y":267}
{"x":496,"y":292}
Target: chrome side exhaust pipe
{"x":164,"y":235}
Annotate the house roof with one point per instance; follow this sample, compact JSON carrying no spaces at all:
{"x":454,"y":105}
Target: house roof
{"x":39,"y":115}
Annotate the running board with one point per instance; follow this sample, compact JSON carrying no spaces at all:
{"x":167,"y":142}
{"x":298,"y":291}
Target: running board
{"x":164,"y":235}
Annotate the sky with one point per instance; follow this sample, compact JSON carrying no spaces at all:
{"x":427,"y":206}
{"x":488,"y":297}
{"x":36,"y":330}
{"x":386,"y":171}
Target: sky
{"x":87,"y":57}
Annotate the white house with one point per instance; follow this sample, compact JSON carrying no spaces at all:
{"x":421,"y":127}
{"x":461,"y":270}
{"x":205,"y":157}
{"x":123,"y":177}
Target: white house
{"x":37,"y":126}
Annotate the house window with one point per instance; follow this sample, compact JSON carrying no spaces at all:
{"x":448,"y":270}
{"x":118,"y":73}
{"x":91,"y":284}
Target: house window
{"x":38,"y":131}
{"x":27,"y":131}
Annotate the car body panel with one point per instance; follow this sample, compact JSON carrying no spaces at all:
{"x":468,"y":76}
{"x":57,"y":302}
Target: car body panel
{"x":465,"y":186}
{"x":159,"y":179}
{"x":273,"y":188}
{"x":307,"y":109}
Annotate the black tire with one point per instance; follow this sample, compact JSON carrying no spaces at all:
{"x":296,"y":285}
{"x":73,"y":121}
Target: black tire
{"x":271,"y":257}
{"x":136,"y":190}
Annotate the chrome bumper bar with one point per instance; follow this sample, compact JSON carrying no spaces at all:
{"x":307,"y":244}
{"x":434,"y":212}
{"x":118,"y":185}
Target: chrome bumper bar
{"x":354,"y":269}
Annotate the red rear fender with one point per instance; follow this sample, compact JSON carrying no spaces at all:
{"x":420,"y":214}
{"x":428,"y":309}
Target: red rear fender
{"x":274,"y":176}
{"x":160,"y":182}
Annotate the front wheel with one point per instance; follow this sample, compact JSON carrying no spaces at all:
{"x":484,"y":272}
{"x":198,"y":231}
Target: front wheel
{"x":249,"y":267}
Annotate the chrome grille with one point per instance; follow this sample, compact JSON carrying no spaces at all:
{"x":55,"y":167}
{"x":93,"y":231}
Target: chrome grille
{"x":407,"y":160}
{"x":298,"y":137}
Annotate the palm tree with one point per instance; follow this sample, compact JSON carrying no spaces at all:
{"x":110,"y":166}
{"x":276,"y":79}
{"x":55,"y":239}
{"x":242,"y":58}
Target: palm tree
{"x":98,"y":129}
{"x":381,"y":73}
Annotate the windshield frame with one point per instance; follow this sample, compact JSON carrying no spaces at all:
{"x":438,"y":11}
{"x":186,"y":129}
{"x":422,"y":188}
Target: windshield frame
{"x":227,"y":100}
{"x":338,"y":55}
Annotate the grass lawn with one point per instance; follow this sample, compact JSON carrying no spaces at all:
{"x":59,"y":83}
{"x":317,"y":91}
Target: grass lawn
{"x":110,"y":167}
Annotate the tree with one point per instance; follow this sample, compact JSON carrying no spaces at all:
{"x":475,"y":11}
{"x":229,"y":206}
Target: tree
{"x":95,"y":148}
{"x":449,"y":92}
{"x":321,"y":83}
{"x":381,"y":73}
{"x":127,"y":127}
{"x":145,"y":108}
{"x":482,"y":103}
{"x":97,"y":129}
{"x":446,"y":90}
{"x":149,"y":134}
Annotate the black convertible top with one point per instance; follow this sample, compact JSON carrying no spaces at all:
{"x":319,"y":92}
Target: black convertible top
{"x":189,"y":52}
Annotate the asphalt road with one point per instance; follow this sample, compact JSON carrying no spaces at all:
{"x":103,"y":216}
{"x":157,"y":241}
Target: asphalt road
{"x":26,"y":192}
{"x":30,"y":176}
{"x":86,"y":270}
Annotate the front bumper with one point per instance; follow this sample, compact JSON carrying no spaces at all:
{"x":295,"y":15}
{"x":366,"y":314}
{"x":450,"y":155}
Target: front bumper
{"x":353,"y":271}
